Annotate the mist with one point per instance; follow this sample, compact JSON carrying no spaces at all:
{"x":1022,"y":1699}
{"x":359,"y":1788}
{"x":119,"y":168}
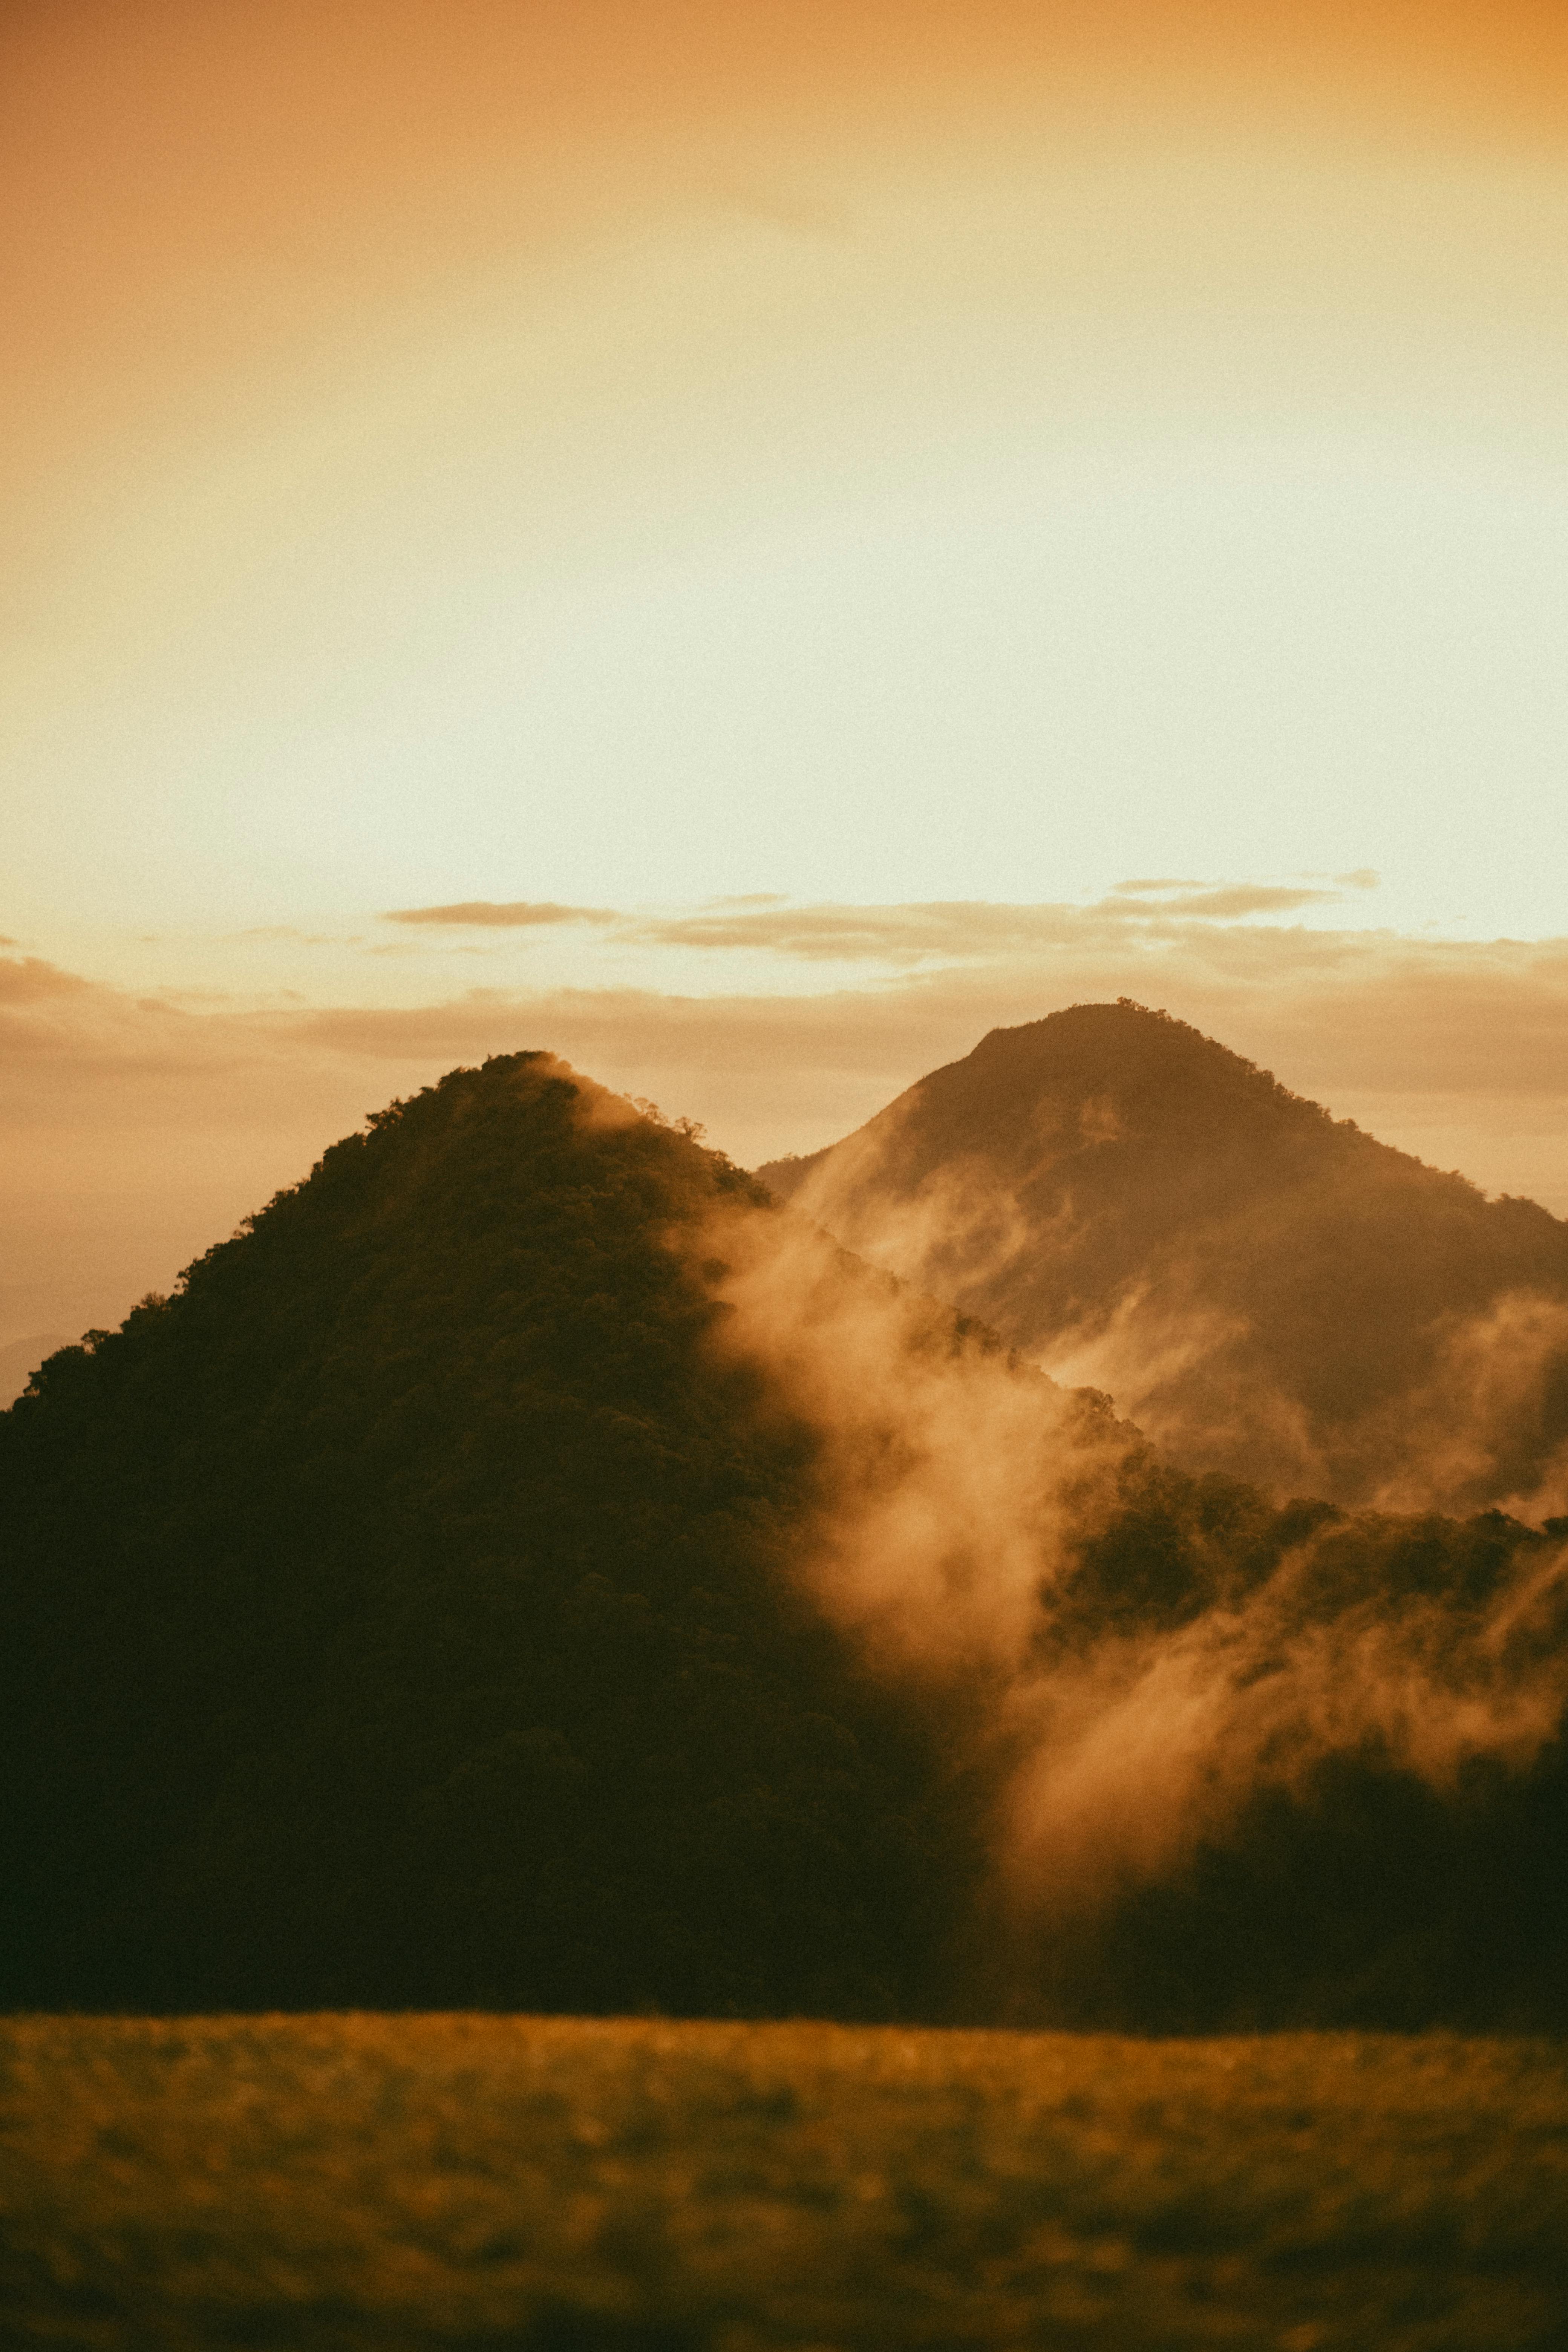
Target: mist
{"x":1143,"y":1658}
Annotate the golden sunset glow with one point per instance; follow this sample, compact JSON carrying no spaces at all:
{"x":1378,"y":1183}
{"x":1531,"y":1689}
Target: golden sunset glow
{"x":866,"y":458}
{"x":784,"y":1174}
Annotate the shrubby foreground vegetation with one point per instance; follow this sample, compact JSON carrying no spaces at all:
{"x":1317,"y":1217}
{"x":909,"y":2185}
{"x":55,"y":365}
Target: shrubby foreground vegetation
{"x":481,"y":2184}
{"x":419,"y":1610}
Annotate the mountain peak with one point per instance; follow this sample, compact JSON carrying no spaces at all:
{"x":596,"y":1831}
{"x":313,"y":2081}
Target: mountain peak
{"x":398,"y":1613}
{"x":1266,"y":1290}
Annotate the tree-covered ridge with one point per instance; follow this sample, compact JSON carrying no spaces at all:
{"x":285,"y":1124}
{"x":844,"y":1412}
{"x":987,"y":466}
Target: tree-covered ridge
{"x":525,"y":1567}
{"x":397,"y":1614}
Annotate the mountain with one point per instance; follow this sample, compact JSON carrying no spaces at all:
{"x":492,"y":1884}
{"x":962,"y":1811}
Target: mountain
{"x":527,"y":1566}
{"x":19,"y":1359}
{"x":1268,"y":1291}
{"x":398,"y":1614}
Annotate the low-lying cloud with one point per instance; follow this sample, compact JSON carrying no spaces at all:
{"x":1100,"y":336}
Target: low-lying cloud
{"x":968,"y":1530}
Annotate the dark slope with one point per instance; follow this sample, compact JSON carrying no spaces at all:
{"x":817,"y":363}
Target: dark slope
{"x":397,"y":1615}
{"x":21,"y":1359}
{"x":413,"y":1611}
{"x":1268,"y":1291}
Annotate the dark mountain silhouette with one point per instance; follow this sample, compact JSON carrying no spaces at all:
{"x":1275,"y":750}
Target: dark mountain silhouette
{"x":1266,"y":1290}
{"x":525,"y":1567}
{"x":397,"y":1615}
{"x":19,"y":1359}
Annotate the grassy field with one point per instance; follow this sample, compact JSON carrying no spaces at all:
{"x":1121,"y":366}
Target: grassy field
{"x":573,"y":2186}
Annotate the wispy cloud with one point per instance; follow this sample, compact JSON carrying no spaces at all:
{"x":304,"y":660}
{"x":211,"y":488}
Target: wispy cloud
{"x":510,"y":915}
{"x":953,"y":931}
{"x":1223,"y":902}
{"x":961,"y":931}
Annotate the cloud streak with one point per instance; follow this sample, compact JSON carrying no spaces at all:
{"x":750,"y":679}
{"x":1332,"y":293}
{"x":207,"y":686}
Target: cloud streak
{"x":511,"y":915}
{"x":944,"y":930}
{"x":1225,"y":902}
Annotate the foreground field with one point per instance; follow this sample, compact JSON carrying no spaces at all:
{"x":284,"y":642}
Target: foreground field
{"x":573,"y":2186}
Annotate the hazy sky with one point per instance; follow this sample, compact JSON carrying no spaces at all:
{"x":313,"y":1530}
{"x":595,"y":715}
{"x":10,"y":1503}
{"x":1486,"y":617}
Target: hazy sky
{"x":621,"y":457}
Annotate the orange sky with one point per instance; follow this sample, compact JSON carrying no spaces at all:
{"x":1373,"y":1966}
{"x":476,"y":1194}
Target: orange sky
{"x":631,"y":456}
{"x":204,"y":199}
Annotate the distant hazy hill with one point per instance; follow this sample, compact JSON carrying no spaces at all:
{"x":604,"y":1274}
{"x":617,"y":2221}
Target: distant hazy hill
{"x":1265,"y":1289}
{"x":527,"y":1567}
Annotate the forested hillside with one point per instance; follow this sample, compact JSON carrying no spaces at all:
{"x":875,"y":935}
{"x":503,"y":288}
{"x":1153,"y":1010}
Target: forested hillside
{"x":1265,"y":1289}
{"x":525,"y":1567}
{"x":396,"y":1615}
